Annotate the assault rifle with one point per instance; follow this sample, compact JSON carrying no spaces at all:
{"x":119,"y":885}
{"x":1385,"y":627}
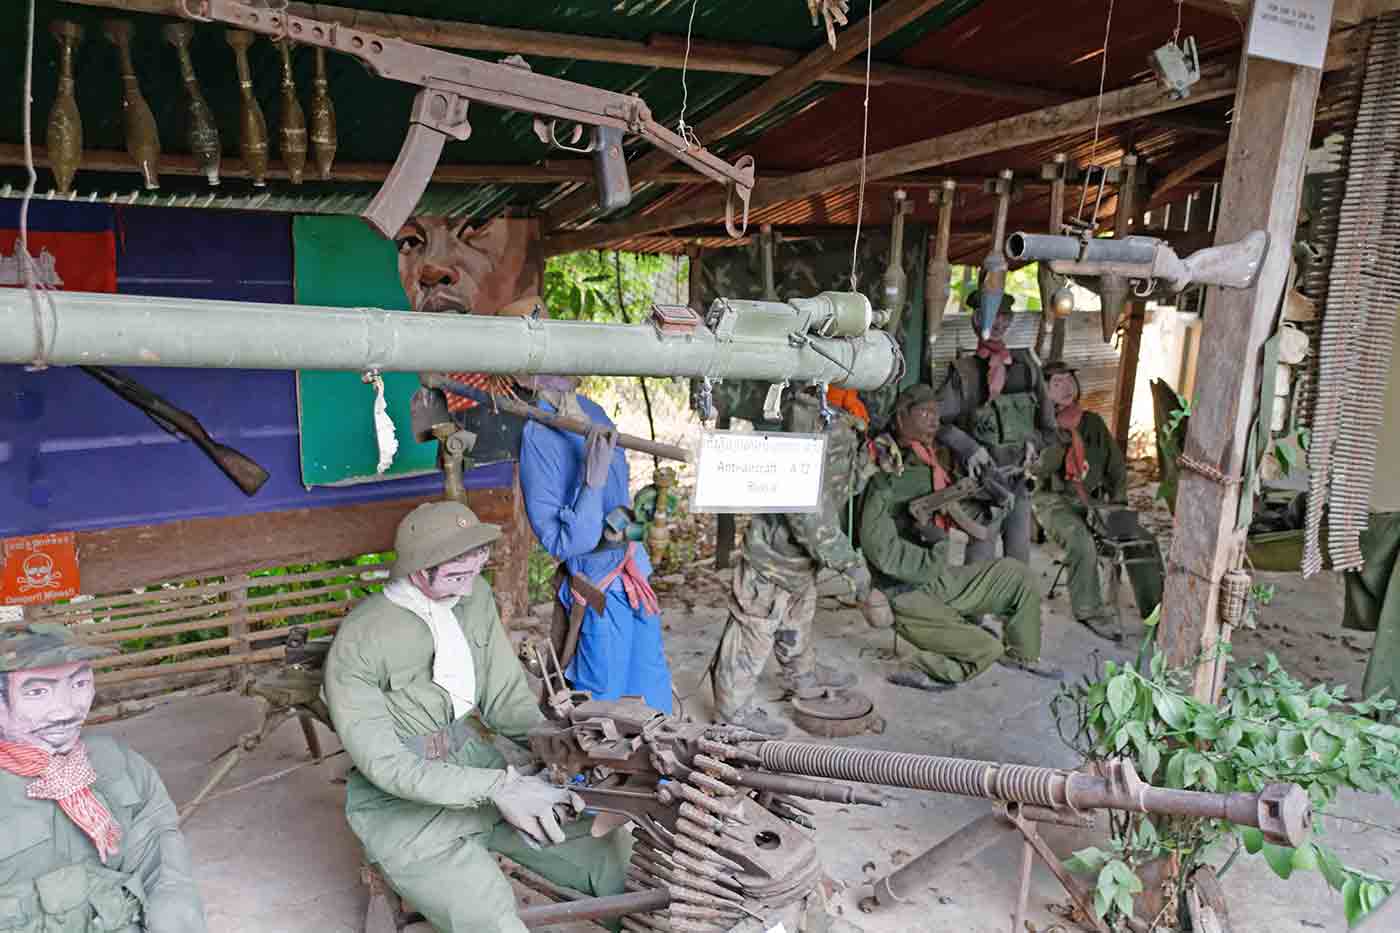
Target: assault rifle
{"x":717,"y":807}
{"x":998,"y":485}
{"x":448,"y":83}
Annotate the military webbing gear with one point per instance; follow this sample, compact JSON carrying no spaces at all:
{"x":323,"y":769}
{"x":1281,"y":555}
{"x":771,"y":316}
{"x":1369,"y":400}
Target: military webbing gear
{"x":436,"y":532}
{"x":46,"y":645}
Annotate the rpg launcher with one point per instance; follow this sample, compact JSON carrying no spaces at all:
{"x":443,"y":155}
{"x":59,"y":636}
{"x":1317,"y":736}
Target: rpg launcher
{"x":448,"y":83}
{"x":998,"y":487}
{"x":721,"y":821}
{"x":1145,"y":260}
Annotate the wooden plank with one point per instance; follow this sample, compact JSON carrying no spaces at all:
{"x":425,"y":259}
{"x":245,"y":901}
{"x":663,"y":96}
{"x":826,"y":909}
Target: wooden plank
{"x":1044,"y":125}
{"x":1131,"y":348}
{"x":1269,"y":144}
{"x":891,"y":17}
{"x":1185,"y":173}
{"x":186,"y":667}
{"x":145,"y":555}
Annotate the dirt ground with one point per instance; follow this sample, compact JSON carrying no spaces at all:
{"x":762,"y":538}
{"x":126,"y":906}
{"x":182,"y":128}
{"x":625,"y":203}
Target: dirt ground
{"x":276,"y":857}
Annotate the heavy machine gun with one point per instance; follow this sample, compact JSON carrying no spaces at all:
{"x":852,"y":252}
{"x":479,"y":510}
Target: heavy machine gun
{"x":722,"y":823}
{"x":448,"y":83}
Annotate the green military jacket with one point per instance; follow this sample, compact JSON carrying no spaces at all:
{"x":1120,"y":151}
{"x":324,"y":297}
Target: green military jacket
{"x":887,"y":536}
{"x":789,"y":548}
{"x":51,"y":880}
{"x":380,"y":691}
{"x":1108,"y":473}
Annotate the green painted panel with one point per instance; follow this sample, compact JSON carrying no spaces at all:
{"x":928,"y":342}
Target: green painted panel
{"x":341,"y":262}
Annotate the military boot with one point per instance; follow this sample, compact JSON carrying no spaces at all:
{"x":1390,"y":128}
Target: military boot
{"x":819,"y":680}
{"x":757,"y":720}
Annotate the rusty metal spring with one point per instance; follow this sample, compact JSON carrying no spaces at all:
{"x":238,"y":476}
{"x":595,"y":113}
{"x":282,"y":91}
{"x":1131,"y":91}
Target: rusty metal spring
{"x":1022,"y":783}
{"x":1358,"y":318}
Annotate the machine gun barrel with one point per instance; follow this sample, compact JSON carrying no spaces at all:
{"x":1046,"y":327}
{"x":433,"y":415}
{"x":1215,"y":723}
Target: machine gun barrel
{"x":795,"y":786}
{"x":1280,"y":811}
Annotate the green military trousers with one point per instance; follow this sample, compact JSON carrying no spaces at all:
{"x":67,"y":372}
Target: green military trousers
{"x":1373,"y":602}
{"x":1064,"y":520}
{"x":462,"y":890}
{"x":764,"y":619}
{"x":937,"y":618}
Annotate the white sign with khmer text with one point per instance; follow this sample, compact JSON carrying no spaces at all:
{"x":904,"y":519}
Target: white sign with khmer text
{"x":1292,"y":31}
{"x":756,"y":471}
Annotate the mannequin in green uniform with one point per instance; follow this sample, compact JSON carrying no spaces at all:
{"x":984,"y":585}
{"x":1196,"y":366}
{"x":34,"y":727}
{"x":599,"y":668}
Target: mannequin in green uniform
{"x":89,"y":840}
{"x":935,"y":605}
{"x":1086,"y":469}
{"x":413,"y":674}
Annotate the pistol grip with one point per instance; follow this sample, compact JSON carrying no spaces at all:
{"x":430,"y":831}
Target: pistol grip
{"x":610,"y":168}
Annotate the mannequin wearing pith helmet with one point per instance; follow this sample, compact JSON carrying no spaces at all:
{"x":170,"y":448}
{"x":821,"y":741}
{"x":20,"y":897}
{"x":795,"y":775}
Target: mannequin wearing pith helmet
{"x":413,"y":675}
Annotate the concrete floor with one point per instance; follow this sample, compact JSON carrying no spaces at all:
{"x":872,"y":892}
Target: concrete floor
{"x":278,"y":858}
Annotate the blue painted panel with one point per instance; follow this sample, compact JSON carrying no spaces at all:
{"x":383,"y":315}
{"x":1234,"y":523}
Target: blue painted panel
{"x":75,"y":457}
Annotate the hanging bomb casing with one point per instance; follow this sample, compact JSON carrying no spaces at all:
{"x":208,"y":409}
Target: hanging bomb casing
{"x":203,"y":130}
{"x":291,"y":132}
{"x":252,"y":137}
{"x":142,"y":137}
{"x":323,"y":134}
{"x":65,"y":130}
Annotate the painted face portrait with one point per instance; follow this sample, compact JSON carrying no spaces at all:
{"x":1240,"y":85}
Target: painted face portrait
{"x":47,"y":706}
{"x":443,"y":261}
{"x":455,"y":577}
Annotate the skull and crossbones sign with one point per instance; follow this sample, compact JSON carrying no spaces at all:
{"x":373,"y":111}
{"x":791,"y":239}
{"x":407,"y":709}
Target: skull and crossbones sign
{"x":39,"y":573}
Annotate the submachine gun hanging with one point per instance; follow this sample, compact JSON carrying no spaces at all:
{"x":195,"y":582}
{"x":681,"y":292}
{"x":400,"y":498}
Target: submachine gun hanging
{"x":721,"y":823}
{"x":448,"y":83}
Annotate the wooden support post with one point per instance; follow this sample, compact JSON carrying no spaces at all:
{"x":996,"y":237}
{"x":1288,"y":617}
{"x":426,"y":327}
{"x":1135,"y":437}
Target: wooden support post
{"x":238,"y":625}
{"x":1269,"y":143}
{"x":512,"y":582}
{"x":724,"y":522}
{"x":1135,"y":312}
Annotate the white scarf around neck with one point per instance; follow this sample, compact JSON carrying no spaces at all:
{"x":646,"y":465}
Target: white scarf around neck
{"x":453,"y":668}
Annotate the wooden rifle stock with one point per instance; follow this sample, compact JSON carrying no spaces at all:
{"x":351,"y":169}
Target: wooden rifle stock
{"x":246,"y":474}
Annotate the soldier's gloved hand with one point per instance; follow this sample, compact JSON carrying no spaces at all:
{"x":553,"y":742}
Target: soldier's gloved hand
{"x":535,"y":807}
{"x":598,"y":449}
{"x":979,"y":463}
{"x":930,"y":534}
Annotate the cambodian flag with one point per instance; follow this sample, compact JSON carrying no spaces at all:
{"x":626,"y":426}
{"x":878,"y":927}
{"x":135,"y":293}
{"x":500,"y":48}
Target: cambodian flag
{"x":73,"y":245}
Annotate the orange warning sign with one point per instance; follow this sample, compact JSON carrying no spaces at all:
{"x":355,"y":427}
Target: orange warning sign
{"x":38,"y":568}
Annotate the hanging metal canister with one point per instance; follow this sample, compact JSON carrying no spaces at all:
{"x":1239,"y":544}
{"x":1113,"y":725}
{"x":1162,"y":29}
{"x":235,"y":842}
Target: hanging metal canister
{"x":252,"y":139}
{"x":323,"y":137}
{"x":291,"y":133}
{"x":142,"y":137}
{"x":65,"y":133}
{"x":203,"y":131}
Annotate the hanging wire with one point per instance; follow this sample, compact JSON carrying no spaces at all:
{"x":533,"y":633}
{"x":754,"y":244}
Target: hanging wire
{"x":686,"y":131}
{"x":1176,"y":33}
{"x":864,"y":141}
{"x":1098,"y":117}
{"x":26,"y":264}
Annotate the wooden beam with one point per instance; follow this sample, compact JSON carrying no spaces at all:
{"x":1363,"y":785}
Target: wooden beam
{"x":1126,"y":214}
{"x":1044,"y":125}
{"x":1184,"y":173}
{"x":1268,"y":149}
{"x":891,"y":17}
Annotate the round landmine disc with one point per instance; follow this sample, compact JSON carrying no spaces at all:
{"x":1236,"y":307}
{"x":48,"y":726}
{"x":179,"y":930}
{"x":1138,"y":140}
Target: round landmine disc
{"x":837,"y":713}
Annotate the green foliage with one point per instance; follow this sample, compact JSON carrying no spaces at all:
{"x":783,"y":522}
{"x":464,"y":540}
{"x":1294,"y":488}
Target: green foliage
{"x":1171,"y":436}
{"x":540,"y":573}
{"x":1021,"y":285}
{"x":1268,"y":728}
{"x":583,"y":286}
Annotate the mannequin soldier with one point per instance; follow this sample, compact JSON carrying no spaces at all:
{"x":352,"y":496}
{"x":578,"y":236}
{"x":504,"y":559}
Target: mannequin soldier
{"x":993,"y":404}
{"x":413,"y":674}
{"x":774,"y":595}
{"x":936,"y":605}
{"x":90,"y":840}
{"x":1085,"y":471}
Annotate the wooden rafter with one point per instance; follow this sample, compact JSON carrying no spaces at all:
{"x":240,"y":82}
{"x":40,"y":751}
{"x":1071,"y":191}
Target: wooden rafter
{"x":997,"y":136}
{"x":1185,"y":172}
{"x":883,"y":22}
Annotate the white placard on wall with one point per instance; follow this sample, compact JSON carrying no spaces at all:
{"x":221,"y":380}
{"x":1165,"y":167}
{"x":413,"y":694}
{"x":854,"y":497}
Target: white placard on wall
{"x":758,"y":471}
{"x":1293,"y":31}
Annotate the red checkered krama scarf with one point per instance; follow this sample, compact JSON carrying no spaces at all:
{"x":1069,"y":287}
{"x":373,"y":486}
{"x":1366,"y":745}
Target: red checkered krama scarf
{"x":492,"y":385}
{"x":67,"y":780}
{"x":1076,"y":458}
{"x":941,"y":479}
{"x":998,"y":362}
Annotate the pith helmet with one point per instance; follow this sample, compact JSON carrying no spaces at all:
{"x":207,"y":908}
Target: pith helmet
{"x":45,"y":645}
{"x":436,"y":532}
{"x":917,"y":394}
